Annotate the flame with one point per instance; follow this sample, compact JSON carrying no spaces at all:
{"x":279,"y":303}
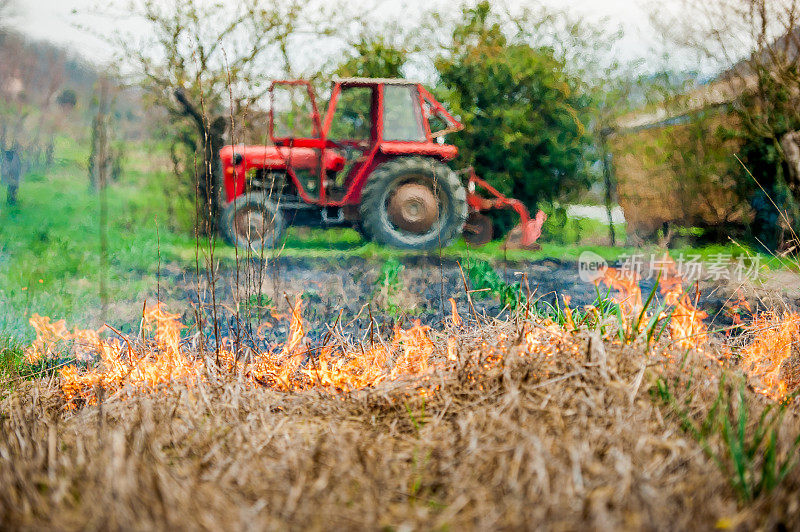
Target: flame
{"x":355,"y":370}
{"x":168,"y":328}
{"x":626,"y":283}
{"x":415,"y":347}
{"x":345,"y":370}
{"x":568,"y":312}
{"x":85,"y":343}
{"x":734,"y":309}
{"x":346,"y":373}
{"x":296,"y":331}
{"x":50,"y":337}
{"x":161,"y":362}
{"x":772,"y":358}
{"x":686,"y":324}
{"x":278,"y":370}
{"x":452,"y":349}
{"x":454,"y":318}
{"x":147,"y":363}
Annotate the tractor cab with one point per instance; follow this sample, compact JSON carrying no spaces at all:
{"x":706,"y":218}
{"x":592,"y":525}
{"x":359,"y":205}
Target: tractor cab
{"x":328,"y":158}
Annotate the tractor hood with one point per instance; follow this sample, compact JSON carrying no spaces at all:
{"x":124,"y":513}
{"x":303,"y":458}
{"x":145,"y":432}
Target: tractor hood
{"x":237,"y":159}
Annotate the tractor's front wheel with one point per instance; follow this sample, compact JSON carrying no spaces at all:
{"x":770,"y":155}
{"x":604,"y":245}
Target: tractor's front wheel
{"x":253,"y":221}
{"x":413,"y":203}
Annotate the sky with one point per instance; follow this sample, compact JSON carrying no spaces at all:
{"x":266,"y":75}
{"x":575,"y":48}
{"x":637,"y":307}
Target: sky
{"x":73,"y":22}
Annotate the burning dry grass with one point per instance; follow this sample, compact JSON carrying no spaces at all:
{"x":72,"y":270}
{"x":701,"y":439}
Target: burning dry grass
{"x":772,"y":356}
{"x":523,"y":424}
{"x":528,"y":427}
{"x":158,"y":357}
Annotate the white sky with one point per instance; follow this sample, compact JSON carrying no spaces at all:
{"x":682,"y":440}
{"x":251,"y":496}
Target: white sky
{"x":57,"y":21}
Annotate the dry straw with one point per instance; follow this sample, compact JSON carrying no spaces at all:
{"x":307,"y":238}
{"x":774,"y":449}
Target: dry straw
{"x":540,"y":431}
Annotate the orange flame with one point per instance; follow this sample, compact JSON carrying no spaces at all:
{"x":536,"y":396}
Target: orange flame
{"x":296,"y":331}
{"x":160,"y":363}
{"x":626,"y":283}
{"x":686,"y":325}
{"x":452,"y":349}
{"x":454,"y":318}
{"x":147,"y":364}
{"x":568,"y":312}
{"x":772,"y":358}
{"x":51,"y":337}
{"x":734,"y":309}
{"x":48,"y":337}
{"x":415,"y":348}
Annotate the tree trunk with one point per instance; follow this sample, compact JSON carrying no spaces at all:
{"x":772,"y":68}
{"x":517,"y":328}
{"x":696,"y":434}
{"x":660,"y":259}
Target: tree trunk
{"x":609,"y":183}
{"x":211,"y":140}
{"x":99,"y":158}
{"x":790,"y":143}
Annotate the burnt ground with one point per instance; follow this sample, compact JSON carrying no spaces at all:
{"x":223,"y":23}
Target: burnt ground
{"x":347,"y":292}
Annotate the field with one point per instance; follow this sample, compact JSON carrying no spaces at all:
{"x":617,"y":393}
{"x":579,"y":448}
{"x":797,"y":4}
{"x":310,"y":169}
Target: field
{"x":300,"y":392}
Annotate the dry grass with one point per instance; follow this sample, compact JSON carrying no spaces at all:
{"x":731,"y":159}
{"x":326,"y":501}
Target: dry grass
{"x":563,"y":441}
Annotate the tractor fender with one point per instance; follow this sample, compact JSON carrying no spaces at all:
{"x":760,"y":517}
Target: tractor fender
{"x":443,"y":152}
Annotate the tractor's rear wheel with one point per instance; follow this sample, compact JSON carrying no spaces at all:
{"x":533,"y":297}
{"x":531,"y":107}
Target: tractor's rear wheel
{"x":253,"y":221}
{"x":413,"y":203}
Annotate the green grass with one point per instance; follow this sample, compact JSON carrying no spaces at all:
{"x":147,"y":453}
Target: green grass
{"x":11,"y":352}
{"x":339,"y":242}
{"x":744,"y":447}
{"x":50,"y":252}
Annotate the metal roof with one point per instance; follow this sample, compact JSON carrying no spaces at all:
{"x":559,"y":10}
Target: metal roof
{"x":374,"y":81}
{"x":717,"y":93}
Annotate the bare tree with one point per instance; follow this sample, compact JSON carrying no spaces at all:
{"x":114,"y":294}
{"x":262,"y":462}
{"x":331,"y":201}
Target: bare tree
{"x":208,"y":64}
{"x":30,"y":76}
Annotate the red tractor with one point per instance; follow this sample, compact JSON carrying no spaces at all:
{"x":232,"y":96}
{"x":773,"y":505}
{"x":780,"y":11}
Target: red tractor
{"x":376,"y":161}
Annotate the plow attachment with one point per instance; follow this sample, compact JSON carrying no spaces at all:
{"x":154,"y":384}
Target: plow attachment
{"x":478,"y":229}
